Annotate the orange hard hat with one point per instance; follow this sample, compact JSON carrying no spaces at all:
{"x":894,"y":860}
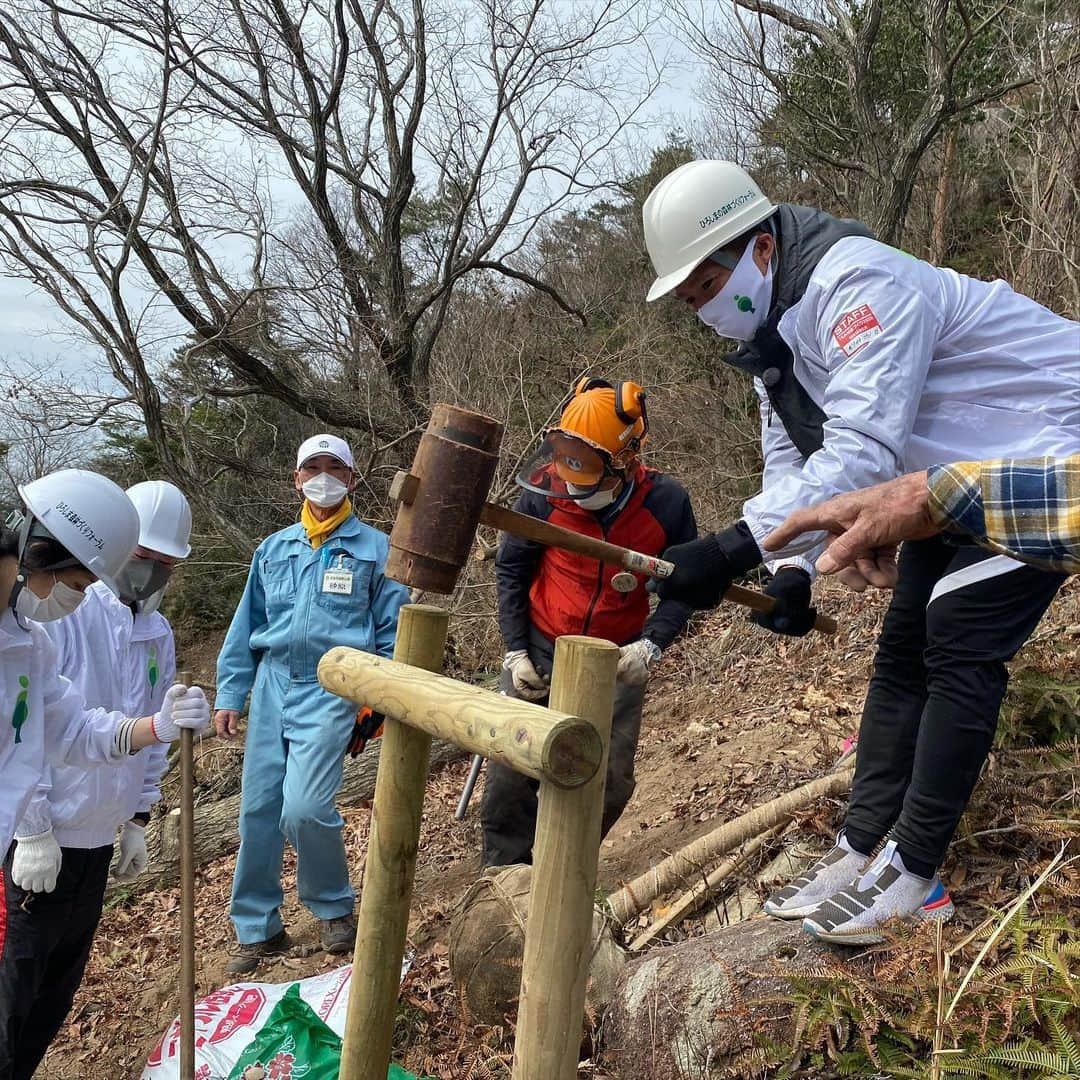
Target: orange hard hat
{"x":609,"y":417}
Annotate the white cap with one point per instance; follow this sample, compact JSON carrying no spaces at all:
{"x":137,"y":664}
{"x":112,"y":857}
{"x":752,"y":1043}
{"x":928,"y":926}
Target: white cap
{"x":324,"y":444}
{"x":695,"y":210}
{"x":89,"y":515}
{"x":164,"y":517}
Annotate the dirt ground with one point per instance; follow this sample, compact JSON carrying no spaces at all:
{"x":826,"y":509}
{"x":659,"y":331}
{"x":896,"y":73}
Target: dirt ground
{"x":734,"y":717}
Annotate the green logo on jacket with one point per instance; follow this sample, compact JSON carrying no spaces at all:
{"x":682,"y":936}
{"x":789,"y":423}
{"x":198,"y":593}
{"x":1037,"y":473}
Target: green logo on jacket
{"x":152,"y":672}
{"x":22,"y":710}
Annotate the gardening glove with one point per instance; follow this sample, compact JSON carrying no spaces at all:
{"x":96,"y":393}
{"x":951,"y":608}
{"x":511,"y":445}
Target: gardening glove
{"x":183,"y":707}
{"x":528,"y":682}
{"x":793,"y":614}
{"x":368,"y":725}
{"x":635,"y":660}
{"x":36,"y":862}
{"x":705,"y":568}
{"x":132,"y":860}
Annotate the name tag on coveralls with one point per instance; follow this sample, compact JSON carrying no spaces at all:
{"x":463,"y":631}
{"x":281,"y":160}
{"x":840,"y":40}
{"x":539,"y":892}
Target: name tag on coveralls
{"x":337,"y":580}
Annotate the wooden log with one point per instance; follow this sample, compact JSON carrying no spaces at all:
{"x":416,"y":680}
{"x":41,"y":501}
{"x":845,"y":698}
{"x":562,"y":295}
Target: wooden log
{"x":545,"y":744}
{"x":391,"y":862}
{"x":558,"y":939}
{"x":635,"y":897}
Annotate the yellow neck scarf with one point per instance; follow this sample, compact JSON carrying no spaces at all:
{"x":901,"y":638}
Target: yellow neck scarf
{"x":317,"y":531}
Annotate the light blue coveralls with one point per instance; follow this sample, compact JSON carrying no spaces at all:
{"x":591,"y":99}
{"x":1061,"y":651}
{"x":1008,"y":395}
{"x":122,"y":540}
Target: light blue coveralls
{"x":297,"y":732}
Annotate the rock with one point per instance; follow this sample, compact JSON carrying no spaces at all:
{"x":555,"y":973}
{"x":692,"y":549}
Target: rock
{"x":689,"y":1011}
{"x":487,"y":943}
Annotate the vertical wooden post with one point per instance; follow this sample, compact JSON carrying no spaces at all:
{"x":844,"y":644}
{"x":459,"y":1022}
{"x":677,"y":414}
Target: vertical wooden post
{"x":187,"y":896}
{"x":386,"y":893}
{"x":558,"y":937}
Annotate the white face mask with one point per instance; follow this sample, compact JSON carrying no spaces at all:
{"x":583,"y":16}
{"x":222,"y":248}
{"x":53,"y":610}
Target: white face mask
{"x":151,"y":603}
{"x":597,"y":500}
{"x":62,"y":600}
{"x":325,"y":490}
{"x":742,"y":305}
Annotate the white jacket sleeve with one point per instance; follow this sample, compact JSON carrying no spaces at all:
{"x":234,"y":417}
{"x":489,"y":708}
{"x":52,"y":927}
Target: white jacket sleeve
{"x":157,"y":756}
{"x":781,"y":457}
{"x":74,"y":734}
{"x":876,"y":333}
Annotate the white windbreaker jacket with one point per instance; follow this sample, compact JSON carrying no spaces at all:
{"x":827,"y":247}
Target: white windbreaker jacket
{"x":116,"y":662}
{"x":43,"y":720}
{"x":914,"y":365}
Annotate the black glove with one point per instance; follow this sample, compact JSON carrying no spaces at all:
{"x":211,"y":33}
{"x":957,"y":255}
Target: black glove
{"x":792,"y":614}
{"x":706,"y":567}
{"x":369,"y":725}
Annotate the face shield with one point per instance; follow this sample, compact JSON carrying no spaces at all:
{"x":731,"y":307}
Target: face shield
{"x":567,"y":466}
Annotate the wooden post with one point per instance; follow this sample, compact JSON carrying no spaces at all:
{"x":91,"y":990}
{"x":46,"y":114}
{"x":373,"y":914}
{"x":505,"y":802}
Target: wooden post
{"x":187,"y":896}
{"x":391,"y":863}
{"x":558,"y":937}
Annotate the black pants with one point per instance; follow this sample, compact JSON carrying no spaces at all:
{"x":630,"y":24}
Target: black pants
{"x":508,"y":808}
{"x":956,"y":617}
{"x":48,"y":942}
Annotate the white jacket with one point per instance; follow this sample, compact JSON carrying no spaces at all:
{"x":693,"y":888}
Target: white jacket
{"x":42,"y":720}
{"x":116,"y":662}
{"x":914,"y":365}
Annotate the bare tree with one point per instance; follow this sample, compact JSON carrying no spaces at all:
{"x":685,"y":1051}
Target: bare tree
{"x":855,"y":94}
{"x":295,"y":189}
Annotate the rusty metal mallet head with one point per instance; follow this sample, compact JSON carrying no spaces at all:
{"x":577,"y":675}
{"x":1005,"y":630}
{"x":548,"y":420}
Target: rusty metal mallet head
{"x":441,"y":498}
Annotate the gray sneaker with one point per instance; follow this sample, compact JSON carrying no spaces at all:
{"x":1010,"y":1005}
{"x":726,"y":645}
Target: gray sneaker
{"x":245,"y":958}
{"x":338,"y":935}
{"x":804,"y":894}
{"x":886,"y":890}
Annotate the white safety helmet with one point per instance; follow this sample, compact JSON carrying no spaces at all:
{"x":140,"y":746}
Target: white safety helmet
{"x":694,"y":211}
{"x":164,"y":517}
{"x":89,"y":515}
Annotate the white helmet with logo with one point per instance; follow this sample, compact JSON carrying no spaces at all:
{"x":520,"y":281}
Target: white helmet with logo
{"x":89,"y":515}
{"x":164,"y":517}
{"x":694,"y":211}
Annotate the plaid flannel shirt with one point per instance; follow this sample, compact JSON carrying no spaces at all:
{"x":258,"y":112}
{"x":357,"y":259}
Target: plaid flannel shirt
{"x":1026,"y":508}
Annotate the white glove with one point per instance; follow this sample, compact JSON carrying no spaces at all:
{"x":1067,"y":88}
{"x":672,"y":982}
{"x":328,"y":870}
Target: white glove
{"x":132,"y":860}
{"x":36,"y":862}
{"x":635,"y":660}
{"x":183,"y":707}
{"x":528,"y":682}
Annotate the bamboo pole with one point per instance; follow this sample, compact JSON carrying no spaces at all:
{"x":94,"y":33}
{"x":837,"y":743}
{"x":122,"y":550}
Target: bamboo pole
{"x":542,"y":743}
{"x":635,"y":897}
{"x":391,"y":863}
{"x":558,"y":937}
{"x":187,"y":896}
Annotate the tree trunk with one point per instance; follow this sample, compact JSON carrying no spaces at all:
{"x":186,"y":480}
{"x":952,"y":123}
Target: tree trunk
{"x":943,"y":200}
{"x":216,"y":823}
{"x":693,"y":1011}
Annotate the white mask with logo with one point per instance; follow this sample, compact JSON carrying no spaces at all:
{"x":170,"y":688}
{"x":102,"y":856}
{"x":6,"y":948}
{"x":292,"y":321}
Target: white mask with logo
{"x":742,"y":305}
{"x":598,"y":500}
{"x":325,"y":490}
{"x":61,"y":601}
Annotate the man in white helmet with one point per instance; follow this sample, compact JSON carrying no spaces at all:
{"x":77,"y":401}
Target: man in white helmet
{"x":78,"y":528}
{"x":870,"y":363}
{"x":119,"y":654}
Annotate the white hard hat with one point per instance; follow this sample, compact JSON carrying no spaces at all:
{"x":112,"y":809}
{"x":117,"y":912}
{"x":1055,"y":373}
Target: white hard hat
{"x":324,"y":444}
{"x":164,"y":517}
{"x":694,"y":211}
{"x":89,"y":514}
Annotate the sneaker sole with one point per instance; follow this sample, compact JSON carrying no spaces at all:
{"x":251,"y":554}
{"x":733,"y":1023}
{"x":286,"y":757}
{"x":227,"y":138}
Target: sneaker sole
{"x":941,"y":911}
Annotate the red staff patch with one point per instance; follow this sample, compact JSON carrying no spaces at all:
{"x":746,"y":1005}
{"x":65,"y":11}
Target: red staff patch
{"x":856,"y":329}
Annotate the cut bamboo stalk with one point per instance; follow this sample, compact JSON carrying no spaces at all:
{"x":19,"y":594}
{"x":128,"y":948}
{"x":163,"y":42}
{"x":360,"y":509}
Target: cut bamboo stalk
{"x":558,"y":937}
{"x":538,"y":742}
{"x":691,"y":900}
{"x":636,"y":896}
{"x":391,"y":862}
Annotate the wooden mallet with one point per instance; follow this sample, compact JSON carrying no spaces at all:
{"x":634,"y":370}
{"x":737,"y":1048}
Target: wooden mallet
{"x":442,"y":499}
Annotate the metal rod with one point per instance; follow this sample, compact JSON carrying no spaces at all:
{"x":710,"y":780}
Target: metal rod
{"x":470,"y":785}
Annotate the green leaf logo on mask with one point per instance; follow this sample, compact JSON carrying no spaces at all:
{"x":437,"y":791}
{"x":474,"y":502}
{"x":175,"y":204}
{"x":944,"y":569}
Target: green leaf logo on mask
{"x":152,"y":672}
{"x":744,"y":303}
{"x":22,"y":710}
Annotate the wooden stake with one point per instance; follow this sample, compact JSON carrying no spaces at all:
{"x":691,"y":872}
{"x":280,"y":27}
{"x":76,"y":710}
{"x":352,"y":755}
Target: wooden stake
{"x":187,"y":896}
{"x":558,"y":937}
{"x":391,"y":863}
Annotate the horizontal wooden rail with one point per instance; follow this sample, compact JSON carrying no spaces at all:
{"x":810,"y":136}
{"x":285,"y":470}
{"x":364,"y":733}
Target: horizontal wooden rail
{"x":538,"y":742}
